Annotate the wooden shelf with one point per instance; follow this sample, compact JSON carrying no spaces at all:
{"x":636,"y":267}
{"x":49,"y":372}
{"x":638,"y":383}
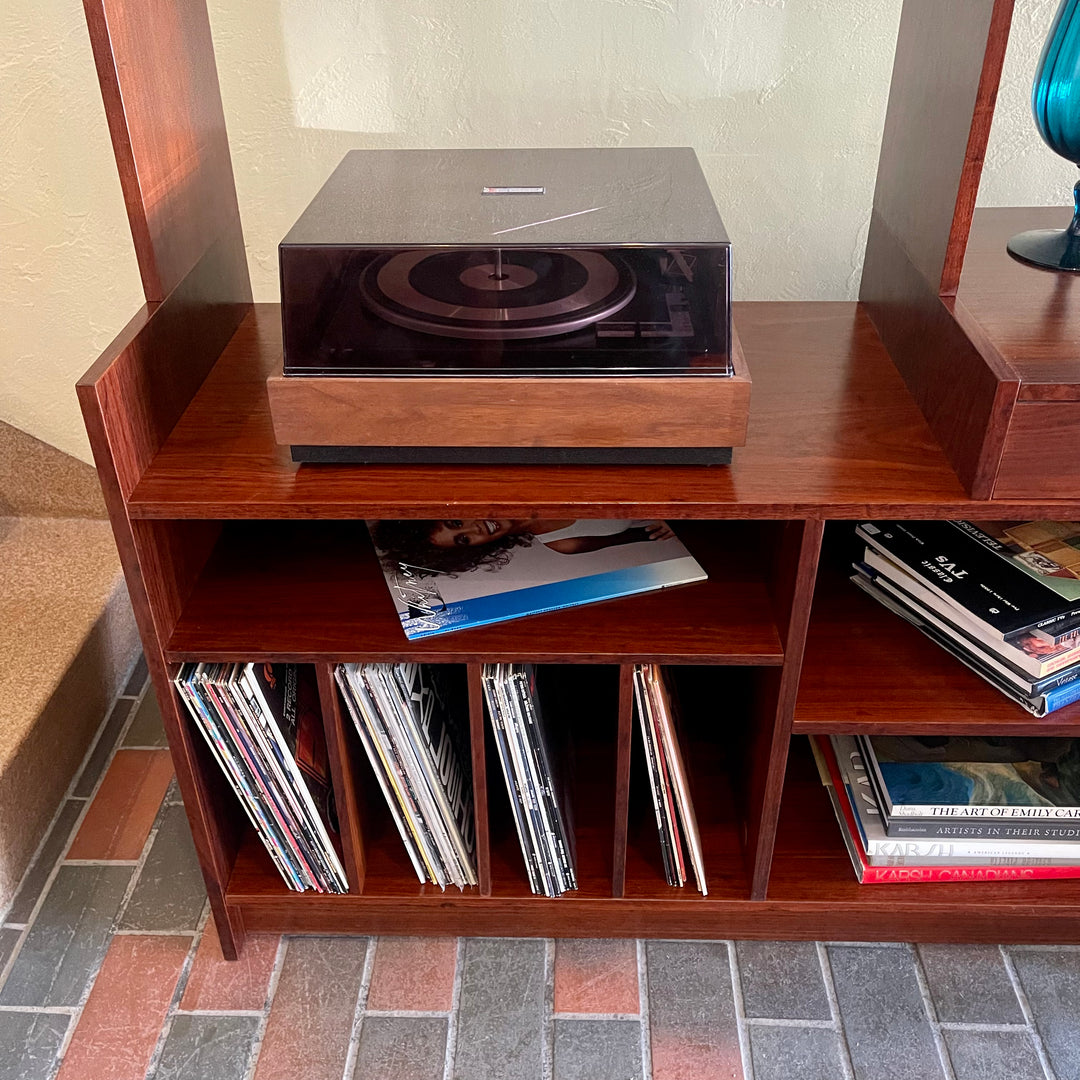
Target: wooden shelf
{"x":314,"y":591}
{"x":1028,"y":320}
{"x":812,"y":869}
{"x":867,"y":670}
{"x":833,"y":433}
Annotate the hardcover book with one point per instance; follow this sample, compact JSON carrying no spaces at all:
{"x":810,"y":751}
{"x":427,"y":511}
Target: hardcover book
{"x":989,"y":779}
{"x":869,"y":874}
{"x":849,"y":776}
{"x":450,"y":575}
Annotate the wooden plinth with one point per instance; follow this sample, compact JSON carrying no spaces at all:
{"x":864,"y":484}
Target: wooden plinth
{"x":698,"y":411}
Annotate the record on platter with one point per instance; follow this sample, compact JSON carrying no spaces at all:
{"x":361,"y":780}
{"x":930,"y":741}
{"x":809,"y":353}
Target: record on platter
{"x":496,"y":294}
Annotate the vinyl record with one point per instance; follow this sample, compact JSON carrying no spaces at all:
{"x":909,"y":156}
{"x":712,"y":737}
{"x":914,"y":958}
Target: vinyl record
{"x":496,"y":294}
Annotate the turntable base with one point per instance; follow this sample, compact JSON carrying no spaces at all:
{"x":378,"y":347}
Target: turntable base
{"x":501,"y":419}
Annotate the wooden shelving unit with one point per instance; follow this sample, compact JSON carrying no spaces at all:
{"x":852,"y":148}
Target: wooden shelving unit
{"x":233,"y":552}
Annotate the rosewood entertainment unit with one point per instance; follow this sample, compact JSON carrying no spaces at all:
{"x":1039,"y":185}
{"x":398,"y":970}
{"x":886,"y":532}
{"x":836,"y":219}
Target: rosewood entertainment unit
{"x":233,"y":552}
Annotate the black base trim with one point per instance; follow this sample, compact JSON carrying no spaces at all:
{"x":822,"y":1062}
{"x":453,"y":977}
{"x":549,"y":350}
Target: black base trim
{"x":513,"y":455}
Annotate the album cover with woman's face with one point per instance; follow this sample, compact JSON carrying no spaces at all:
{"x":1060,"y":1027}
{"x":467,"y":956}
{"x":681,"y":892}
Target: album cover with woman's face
{"x":456,"y":573}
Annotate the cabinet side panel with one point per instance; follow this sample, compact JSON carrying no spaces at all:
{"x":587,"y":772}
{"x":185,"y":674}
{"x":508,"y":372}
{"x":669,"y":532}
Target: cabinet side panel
{"x":159,"y":84}
{"x":147,"y":377}
{"x":945,"y":74}
{"x":966,"y":395}
{"x":212,"y":819}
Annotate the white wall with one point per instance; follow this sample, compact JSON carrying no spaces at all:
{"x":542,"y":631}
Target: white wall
{"x":783,"y":100}
{"x":68,"y":277}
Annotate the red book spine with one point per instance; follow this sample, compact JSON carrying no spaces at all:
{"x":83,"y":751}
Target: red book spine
{"x":899,"y":875}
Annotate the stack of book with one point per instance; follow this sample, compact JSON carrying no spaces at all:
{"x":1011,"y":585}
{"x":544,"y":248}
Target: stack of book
{"x":955,"y":809}
{"x":538,"y":797}
{"x":676,"y":823}
{"x":1003,"y":597}
{"x":413,"y":723}
{"x":263,"y":725}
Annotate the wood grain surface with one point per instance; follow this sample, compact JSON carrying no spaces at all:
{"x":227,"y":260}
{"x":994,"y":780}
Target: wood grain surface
{"x":155,"y":63}
{"x":509,"y":411}
{"x":833,"y":433}
{"x":1026,"y":320}
{"x":315,"y":591}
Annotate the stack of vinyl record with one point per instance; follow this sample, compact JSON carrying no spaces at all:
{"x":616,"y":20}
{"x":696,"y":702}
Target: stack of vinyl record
{"x":413,"y":722}
{"x":263,"y":725}
{"x":680,"y":839}
{"x":537,"y":796}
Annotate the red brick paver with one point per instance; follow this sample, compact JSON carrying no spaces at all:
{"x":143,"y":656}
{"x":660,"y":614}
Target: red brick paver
{"x":240,"y":985}
{"x":119,"y":819}
{"x":307,"y":1034}
{"x":120,"y":1022}
{"x":413,"y":974}
{"x":596,"y":977}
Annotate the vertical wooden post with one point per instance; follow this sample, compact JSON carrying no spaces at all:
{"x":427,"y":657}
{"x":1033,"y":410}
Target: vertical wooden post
{"x":793,"y":589}
{"x":344,"y":772}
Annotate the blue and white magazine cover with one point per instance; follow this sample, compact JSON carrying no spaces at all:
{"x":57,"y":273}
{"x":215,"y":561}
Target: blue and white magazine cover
{"x":452,"y":574}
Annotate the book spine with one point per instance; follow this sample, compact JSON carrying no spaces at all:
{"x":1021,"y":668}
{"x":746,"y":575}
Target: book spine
{"x":895,"y":875}
{"x":982,"y":830}
{"x":1061,"y":678}
{"x":1061,"y":696}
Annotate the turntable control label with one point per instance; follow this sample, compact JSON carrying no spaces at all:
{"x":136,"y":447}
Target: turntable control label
{"x":512,"y":191}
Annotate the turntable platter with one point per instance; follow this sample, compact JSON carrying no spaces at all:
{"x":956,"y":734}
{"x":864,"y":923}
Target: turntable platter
{"x":497,"y":294}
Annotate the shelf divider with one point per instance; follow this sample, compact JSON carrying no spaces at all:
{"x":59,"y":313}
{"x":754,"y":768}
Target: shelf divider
{"x":345,"y":768}
{"x":479,"y":774}
{"x":794,"y":575}
{"x":623,"y":747}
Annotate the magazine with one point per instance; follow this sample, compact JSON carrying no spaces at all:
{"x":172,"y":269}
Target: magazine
{"x":1040,"y":698}
{"x":1026,"y":653}
{"x":1049,"y":551}
{"x":450,"y":575}
{"x":962,"y":572}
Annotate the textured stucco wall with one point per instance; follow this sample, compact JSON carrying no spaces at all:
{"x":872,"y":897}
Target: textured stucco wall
{"x":68,"y":277}
{"x":783,"y":100}
{"x":1019,"y":169}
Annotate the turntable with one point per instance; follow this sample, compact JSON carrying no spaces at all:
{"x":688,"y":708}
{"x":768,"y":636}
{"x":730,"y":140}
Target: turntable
{"x":510,"y":306}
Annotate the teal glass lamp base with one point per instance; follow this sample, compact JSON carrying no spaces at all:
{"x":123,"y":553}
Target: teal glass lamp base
{"x":1051,"y":249}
